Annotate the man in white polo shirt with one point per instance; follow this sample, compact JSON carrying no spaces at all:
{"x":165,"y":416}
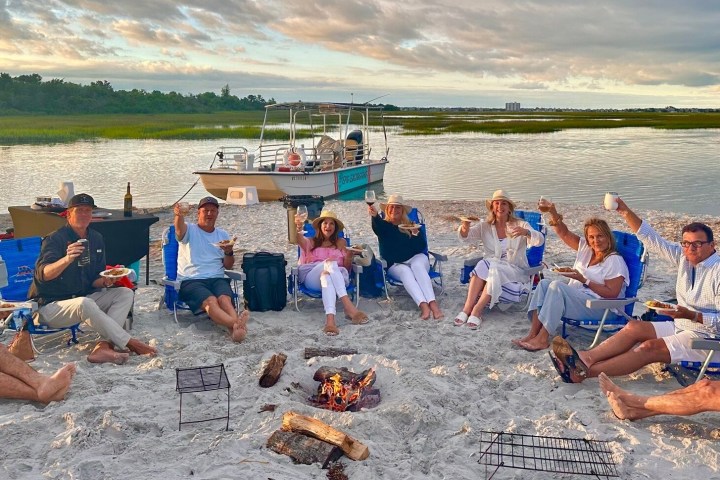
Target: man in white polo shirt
{"x":204,"y":254}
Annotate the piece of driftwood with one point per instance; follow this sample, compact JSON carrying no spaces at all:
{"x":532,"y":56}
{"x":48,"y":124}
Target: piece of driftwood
{"x":311,"y":352}
{"x":322,"y":374}
{"x":272,"y":370}
{"x":303,"y":448}
{"x":300,"y":423}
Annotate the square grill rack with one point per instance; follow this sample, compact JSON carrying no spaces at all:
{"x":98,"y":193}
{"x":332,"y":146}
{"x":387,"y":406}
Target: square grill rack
{"x":547,"y":454}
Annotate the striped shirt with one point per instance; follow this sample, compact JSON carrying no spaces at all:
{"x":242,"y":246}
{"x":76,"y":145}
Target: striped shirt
{"x":703,"y":294}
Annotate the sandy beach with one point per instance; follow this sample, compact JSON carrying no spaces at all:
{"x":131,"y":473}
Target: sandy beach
{"x":440,"y":385}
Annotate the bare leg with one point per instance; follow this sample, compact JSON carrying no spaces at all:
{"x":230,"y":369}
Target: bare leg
{"x":222,"y":312}
{"x":330,"y":327}
{"x":435,"y":309}
{"x":482,"y":302}
{"x":425,"y":311}
{"x":631,"y":361}
{"x":476,"y":286}
{"x":239,"y":330}
{"x":19,"y":381}
{"x":535,"y":326}
{"x":105,"y":353}
{"x":623,"y":341}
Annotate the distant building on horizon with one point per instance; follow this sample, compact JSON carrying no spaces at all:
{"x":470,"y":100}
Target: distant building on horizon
{"x":512,"y":106}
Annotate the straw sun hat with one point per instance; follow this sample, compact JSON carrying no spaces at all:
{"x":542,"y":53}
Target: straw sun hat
{"x":499,"y":195}
{"x":396,"y":200}
{"x":328,"y":214}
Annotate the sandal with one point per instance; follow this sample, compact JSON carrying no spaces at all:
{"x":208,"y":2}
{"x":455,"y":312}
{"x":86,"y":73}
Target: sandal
{"x":474,"y":322}
{"x":564,"y":374}
{"x":359,"y":318}
{"x":331,"y":331}
{"x":460,"y":319}
{"x":569,"y":357}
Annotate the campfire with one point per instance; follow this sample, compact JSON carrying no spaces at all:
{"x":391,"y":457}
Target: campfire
{"x":341,"y":390}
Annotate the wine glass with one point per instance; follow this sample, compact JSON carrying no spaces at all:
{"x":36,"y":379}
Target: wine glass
{"x":544,"y":207}
{"x":370,"y":198}
{"x":302,"y":212}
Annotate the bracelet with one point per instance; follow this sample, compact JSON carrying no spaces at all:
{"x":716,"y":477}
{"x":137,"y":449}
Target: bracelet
{"x":695,"y":319}
{"x":553,"y":222}
{"x":231,"y":254}
{"x":587,"y":282}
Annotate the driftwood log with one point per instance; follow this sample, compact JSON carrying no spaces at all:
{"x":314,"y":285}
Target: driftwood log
{"x":273,"y":369}
{"x":303,"y":449}
{"x":346,"y":376}
{"x":311,"y":352}
{"x":310,"y":426}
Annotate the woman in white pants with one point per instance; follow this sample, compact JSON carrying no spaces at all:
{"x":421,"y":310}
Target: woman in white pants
{"x":324,"y":265}
{"x":405,"y":251}
{"x":599,"y":272}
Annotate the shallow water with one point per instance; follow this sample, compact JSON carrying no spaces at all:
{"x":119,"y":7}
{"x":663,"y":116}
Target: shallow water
{"x":653,"y":169}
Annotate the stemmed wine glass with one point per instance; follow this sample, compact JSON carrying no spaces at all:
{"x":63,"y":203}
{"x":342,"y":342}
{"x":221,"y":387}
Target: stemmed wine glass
{"x":302,"y":212}
{"x":370,"y":198}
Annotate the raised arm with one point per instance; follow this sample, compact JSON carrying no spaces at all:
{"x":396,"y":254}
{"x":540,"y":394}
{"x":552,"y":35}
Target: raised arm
{"x":556,"y":221}
{"x":179,"y":222}
{"x":632,"y":220}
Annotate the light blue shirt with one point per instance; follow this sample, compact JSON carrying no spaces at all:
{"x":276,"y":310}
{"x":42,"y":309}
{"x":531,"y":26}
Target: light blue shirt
{"x":198,"y":258}
{"x":704,"y":294}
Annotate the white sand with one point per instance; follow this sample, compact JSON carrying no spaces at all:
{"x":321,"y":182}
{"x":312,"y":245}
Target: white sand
{"x":440,"y":384}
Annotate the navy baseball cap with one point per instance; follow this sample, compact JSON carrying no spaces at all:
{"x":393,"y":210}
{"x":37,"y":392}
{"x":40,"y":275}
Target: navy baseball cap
{"x":81,"y":199}
{"x":210,"y":200}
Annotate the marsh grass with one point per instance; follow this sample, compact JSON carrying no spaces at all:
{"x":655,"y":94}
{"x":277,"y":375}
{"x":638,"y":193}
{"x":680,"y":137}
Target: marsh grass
{"x":40,"y":129}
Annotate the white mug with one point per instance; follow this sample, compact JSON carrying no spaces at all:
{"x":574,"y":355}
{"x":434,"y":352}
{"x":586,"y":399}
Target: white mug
{"x":611,"y":199}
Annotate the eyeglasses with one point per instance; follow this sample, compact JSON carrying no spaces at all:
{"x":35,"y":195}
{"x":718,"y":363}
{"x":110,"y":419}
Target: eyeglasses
{"x":694,"y":245}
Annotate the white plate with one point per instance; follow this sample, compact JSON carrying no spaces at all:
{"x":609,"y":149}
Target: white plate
{"x":464,"y":218}
{"x":413,"y":227}
{"x":354,"y":249}
{"x":564,"y":274}
{"x":109,"y":273}
{"x":660,"y":309}
{"x":218,"y":245}
{"x":687,"y":324}
{"x":101,"y":214}
{"x":14,"y":306}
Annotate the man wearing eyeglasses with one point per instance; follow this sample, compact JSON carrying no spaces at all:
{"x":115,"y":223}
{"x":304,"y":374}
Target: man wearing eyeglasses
{"x":640,"y":343}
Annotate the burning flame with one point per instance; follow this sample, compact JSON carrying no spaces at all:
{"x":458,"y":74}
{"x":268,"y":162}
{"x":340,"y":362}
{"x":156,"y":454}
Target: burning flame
{"x":335,"y":395}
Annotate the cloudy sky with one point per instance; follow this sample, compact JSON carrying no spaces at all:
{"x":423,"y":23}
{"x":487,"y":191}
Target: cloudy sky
{"x":480,"y":53}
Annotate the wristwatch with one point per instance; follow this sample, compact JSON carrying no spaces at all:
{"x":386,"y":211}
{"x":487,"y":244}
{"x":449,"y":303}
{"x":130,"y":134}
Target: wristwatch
{"x":587,"y":282}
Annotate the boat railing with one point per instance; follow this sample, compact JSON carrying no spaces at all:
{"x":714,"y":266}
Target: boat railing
{"x":274,"y":157}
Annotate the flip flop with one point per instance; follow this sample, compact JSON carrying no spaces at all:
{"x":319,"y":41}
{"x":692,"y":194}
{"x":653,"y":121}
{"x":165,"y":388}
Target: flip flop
{"x":569,"y":357}
{"x":331,"y":331}
{"x":564,"y":374}
{"x":460,"y":319}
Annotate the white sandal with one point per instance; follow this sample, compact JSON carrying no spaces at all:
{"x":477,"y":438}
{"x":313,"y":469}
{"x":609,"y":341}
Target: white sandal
{"x":474,"y":322}
{"x":460,"y":319}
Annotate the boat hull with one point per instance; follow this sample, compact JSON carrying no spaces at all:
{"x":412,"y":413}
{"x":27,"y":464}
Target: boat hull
{"x":272,"y":186}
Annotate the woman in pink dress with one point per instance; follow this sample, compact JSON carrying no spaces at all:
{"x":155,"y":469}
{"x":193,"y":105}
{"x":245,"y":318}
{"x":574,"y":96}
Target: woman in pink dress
{"x":325,"y":264}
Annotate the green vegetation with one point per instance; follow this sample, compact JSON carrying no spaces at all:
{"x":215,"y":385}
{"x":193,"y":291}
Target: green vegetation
{"x":37,"y":112}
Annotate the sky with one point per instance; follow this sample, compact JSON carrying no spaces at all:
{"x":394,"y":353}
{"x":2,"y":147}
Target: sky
{"x":444,"y":53}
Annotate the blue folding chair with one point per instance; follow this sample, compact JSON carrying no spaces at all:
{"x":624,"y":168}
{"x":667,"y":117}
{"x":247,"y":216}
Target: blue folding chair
{"x":295,"y":288}
{"x":436,"y":259}
{"x":171,"y":297}
{"x":20,"y":256}
{"x":534,"y":254}
{"x":636,"y":258}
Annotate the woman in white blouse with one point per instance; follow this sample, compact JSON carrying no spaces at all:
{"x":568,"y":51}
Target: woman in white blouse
{"x":501,"y":274}
{"x":599,"y":272}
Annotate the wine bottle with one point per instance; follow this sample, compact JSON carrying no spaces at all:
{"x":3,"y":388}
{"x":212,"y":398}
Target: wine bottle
{"x":127,"y":204}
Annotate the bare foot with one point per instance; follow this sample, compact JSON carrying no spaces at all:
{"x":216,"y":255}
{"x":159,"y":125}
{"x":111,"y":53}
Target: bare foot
{"x":141,"y":348}
{"x":424,"y":311}
{"x":331,"y":330}
{"x":436,"y":312}
{"x":239,"y":332}
{"x":608,"y":386}
{"x":533,"y":345}
{"x":621,"y":410}
{"x":102,"y":353}
{"x":244,"y":316}
{"x":526,"y":338}
{"x":55,"y":387}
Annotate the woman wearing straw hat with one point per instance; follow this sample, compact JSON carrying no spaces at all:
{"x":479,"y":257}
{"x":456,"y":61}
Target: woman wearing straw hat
{"x":324,"y":265}
{"x":500,"y":275}
{"x":404,"y":250}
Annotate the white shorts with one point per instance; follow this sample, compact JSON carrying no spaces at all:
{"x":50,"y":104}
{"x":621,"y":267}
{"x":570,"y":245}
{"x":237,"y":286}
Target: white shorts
{"x":678,"y":343}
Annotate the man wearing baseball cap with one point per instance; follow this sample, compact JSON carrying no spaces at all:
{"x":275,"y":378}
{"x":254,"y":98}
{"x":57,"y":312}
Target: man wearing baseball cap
{"x":70,"y":290}
{"x":204,"y":253}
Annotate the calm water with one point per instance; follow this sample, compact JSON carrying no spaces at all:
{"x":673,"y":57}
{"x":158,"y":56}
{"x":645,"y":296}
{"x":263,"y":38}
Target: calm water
{"x":663,"y":170}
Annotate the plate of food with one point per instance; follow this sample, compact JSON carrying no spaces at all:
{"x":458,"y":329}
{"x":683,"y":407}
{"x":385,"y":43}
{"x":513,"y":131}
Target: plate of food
{"x":660,"y":307}
{"x":409,"y":226}
{"x":687,"y":324}
{"x":12,"y":306}
{"x":225,"y":243}
{"x":564,"y":271}
{"x":115,"y":273}
{"x":469,"y":218}
{"x":355,"y":249}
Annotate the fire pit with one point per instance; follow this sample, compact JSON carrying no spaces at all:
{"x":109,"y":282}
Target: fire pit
{"x":341,"y":390}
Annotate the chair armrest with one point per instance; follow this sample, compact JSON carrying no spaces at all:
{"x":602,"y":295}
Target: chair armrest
{"x":383,"y":262}
{"x":534,"y":270}
{"x":606,"y":303}
{"x":471,"y":262}
{"x":170,"y":283}
{"x":439,"y":257}
{"x":705,"y":344}
{"x":294,"y":270}
{"x":235,"y":275}
{"x":357,"y":268}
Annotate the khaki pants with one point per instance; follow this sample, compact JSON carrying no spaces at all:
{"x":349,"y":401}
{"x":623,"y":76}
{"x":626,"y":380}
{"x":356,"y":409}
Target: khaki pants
{"x":105,"y":311}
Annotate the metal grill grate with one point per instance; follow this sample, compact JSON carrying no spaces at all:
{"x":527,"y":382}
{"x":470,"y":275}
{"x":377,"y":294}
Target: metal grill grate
{"x":547,"y":454}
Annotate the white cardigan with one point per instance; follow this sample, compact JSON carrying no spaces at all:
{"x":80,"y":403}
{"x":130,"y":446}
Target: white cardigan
{"x":516,"y":247}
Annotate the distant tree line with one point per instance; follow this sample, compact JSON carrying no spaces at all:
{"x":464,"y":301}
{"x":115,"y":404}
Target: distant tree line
{"x":29,"y":94}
